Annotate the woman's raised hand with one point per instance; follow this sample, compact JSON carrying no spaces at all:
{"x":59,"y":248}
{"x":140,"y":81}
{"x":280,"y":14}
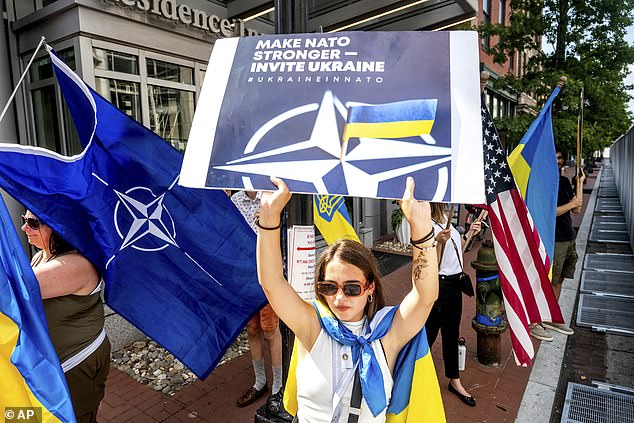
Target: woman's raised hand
{"x":417,"y":213}
{"x":273,"y":202}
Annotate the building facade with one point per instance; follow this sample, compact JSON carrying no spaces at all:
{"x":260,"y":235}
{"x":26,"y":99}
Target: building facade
{"x":502,"y":102}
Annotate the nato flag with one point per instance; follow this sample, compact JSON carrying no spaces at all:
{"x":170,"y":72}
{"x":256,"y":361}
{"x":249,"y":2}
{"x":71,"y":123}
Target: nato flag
{"x":179,"y":263}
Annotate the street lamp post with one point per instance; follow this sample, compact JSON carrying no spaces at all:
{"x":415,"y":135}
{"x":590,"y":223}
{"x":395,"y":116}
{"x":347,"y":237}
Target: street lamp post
{"x":290,"y":18}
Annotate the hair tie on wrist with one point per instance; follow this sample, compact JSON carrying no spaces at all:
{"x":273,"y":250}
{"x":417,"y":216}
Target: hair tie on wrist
{"x":424,"y":239}
{"x":257,"y":223}
{"x":429,"y":247}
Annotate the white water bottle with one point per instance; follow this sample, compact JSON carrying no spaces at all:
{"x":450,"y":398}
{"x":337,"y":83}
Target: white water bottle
{"x":462,"y":353}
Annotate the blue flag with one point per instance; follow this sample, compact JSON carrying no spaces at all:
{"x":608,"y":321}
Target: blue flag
{"x":534,"y":166}
{"x":179,"y":263}
{"x":30,"y":373}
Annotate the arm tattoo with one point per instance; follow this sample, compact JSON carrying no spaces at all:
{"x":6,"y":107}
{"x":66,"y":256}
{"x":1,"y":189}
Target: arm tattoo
{"x":420,"y":264}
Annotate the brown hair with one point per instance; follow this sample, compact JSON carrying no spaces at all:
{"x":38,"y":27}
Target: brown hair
{"x":56,"y":244}
{"x":356,"y":254}
{"x":438,"y":213}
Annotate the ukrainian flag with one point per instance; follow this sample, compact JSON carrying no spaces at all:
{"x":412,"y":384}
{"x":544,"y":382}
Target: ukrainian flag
{"x":31,"y":377}
{"x":534,"y":167}
{"x":391,"y":120}
{"x":332,"y":219}
{"x":416,"y":394}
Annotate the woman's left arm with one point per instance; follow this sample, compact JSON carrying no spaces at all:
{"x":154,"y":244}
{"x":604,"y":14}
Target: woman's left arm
{"x":67,"y":274}
{"x":416,"y":306}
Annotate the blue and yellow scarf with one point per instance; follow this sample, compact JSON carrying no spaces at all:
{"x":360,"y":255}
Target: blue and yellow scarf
{"x":415,"y":395}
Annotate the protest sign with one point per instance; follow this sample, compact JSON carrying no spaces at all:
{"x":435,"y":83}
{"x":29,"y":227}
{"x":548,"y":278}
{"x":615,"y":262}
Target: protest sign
{"x":301,"y":253}
{"x":351,"y":113}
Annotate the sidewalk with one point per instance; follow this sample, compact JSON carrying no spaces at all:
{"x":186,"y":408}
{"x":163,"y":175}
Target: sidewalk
{"x":499,"y":391}
{"x":542,"y":387}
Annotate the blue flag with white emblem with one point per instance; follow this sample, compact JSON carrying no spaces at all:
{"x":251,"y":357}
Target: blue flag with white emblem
{"x":179,"y":263}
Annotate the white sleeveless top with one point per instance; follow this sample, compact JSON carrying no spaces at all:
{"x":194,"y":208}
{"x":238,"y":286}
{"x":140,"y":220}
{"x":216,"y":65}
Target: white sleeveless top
{"x":452,"y":257}
{"x":316,"y":387}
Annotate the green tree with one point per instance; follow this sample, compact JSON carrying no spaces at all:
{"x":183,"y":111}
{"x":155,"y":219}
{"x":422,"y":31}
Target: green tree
{"x":589,"y":49}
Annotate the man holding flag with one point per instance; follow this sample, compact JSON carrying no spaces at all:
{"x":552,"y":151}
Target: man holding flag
{"x":565,"y":258}
{"x":534,"y":168}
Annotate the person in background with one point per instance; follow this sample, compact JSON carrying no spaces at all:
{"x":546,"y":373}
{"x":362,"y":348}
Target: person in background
{"x":263,"y":326}
{"x":447,"y":311}
{"x":351,"y":303}
{"x":70,"y":287}
{"x":565,"y":257}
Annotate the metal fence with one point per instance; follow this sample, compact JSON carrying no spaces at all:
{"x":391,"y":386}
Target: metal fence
{"x":622,"y":158}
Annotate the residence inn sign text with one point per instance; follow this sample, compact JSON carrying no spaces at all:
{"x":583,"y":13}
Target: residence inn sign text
{"x":187,"y":15}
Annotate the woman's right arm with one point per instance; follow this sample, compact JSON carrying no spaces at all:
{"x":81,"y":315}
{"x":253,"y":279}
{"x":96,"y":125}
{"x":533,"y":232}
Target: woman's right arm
{"x":298,"y":315}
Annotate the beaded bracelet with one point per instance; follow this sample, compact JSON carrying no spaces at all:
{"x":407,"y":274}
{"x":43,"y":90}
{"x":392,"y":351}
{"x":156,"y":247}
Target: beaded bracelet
{"x":429,"y":247}
{"x":424,"y":239}
{"x":257,"y":223}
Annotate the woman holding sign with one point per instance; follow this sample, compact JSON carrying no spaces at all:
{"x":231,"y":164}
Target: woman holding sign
{"x":347,"y":341}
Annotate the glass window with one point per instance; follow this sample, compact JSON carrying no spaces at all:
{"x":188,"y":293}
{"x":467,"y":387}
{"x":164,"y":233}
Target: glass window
{"x":486,"y":18}
{"x":43,"y":3}
{"x":171,"y":113}
{"x":502,"y":16}
{"x":45,"y":116}
{"x":123,"y":94}
{"x":115,"y":61}
{"x":169,"y":71}
{"x":42,"y":68}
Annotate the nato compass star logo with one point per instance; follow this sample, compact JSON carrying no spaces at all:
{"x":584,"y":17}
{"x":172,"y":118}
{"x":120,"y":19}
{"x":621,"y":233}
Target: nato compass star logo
{"x":326,"y":136}
{"x":149,"y":218}
{"x":144,"y":223}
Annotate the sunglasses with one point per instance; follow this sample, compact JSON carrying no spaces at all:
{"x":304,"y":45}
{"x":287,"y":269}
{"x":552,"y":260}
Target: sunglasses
{"x":349,"y":289}
{"x":31,"y":222}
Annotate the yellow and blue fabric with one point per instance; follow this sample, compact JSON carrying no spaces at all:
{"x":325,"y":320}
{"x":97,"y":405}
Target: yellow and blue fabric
{"x":534,"y":166}
{"x":415,"y":395}
{"x":332,"y":219}
{"x":391,"y":120}
{"x":30,"y":373}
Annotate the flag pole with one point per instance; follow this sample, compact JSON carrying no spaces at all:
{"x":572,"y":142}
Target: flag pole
{"x":580,"y":130}
{"x":6,"y":106}
{"x":579,"y":171}
{"x":471,"y":233}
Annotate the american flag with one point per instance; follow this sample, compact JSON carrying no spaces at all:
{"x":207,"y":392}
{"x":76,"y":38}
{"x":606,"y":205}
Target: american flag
{"x":520,"y":254}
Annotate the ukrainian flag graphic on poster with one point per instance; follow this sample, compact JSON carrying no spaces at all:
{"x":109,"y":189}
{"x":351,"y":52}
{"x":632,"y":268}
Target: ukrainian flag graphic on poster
{"x":32,"y":383}
{"x":393,"y":120}
{"x":332,"y":219}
